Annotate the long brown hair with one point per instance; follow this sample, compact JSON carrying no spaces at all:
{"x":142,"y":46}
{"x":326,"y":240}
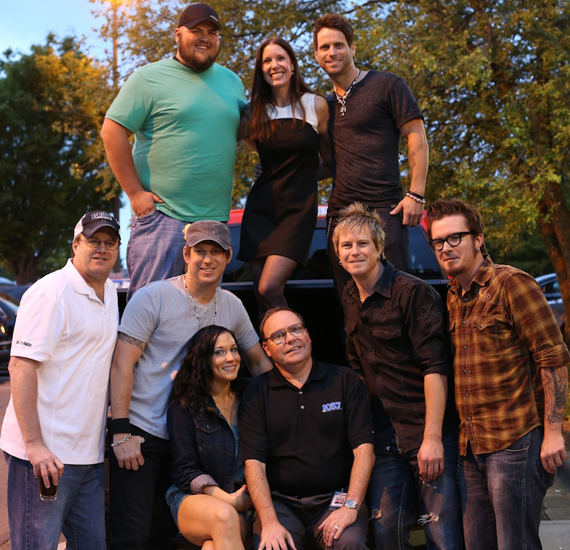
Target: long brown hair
{"x":191,"y":386}
{"x":260,"y":126}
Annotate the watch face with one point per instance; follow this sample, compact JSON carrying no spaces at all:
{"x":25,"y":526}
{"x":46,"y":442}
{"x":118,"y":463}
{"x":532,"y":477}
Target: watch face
{"x":351,"y":504}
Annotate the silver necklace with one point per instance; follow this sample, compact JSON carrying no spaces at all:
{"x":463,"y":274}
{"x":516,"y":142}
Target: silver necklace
{"x":342,"y":100}
{"x":196,"y":309}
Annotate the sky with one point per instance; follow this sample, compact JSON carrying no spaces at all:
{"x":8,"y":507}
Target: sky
{"x":27,"y":22}
{"x":24,"y":23}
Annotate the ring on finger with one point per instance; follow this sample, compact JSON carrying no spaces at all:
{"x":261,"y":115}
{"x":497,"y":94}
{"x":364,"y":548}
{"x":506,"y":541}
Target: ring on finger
{"x":336,"y":527}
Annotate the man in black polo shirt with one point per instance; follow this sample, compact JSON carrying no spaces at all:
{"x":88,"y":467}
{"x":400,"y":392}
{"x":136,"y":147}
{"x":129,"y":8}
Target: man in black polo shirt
{"x":307,"y":441}
{"x":397,"y":340}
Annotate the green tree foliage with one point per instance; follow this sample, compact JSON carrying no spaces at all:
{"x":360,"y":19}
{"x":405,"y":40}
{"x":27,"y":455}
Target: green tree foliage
{"x":50,"y":152}
{"x":492,"y":77}
{"x":146,"y":30}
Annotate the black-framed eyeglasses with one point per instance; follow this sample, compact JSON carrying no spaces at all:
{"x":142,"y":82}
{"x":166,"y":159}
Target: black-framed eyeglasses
{"x":452,"y":240}
{"x":96,"y":243}
{"x":279,"y":336}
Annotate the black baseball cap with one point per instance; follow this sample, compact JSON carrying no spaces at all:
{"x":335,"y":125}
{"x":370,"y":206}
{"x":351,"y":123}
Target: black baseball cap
{"x":91,"y":222}
{"x":196,"y":13}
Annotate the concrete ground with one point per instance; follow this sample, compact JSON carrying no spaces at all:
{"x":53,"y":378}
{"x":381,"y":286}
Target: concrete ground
{"x":555,"y":525}
{"x":554,"y":528}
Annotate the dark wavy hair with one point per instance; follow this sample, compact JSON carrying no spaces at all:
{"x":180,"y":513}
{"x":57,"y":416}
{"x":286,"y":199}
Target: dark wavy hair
{"x":191,"y":386}
{"x":333,"y":21}
{"x":442,"y":208}
{"x":260,"y":126}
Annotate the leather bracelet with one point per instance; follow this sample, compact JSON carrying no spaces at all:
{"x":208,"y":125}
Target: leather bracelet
{"x":415,"y":197}
{"x":421,"y":197}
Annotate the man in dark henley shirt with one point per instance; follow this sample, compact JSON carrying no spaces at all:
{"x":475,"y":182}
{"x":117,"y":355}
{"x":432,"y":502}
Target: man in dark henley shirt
{"x":370,"y":111}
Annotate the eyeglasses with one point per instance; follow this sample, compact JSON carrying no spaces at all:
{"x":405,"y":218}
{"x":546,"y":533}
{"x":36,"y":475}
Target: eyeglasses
{"x":96,"y":243}
{"x":452,"y":240}
{"x":279,"y":336}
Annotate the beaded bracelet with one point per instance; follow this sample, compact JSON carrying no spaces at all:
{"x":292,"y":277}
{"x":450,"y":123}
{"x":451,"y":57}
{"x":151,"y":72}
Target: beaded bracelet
{"x":124,"y":440}
{"x":415,"y":197}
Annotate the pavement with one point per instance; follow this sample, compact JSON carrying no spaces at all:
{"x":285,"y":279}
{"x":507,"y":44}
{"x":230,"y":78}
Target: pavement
{"x":555,"y":524}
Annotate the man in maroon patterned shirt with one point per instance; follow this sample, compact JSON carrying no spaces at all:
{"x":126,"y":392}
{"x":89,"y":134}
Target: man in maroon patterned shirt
{"x":511,"y":383}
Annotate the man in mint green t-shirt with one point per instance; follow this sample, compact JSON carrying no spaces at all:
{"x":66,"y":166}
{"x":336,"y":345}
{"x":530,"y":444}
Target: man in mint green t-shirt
{"x":184,"y":112}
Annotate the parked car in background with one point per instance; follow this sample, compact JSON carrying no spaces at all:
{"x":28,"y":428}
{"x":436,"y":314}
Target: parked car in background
{"x":15,"y":291}
{"x":551,"y":289}
{"x":8,"y":312}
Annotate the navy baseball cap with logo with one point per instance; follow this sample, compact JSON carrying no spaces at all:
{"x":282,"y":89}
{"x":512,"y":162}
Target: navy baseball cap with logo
{"x":91,"y":222}
{"x":197,"y":13}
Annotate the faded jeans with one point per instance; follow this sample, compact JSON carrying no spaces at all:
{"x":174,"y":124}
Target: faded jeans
{"x":399,"y":499}
{"x":78,"y":512}
{"x":502,"y":495}
{"x":155,"y":249}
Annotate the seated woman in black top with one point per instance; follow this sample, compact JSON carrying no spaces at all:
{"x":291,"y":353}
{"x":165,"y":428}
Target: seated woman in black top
{"x":208,"y":500}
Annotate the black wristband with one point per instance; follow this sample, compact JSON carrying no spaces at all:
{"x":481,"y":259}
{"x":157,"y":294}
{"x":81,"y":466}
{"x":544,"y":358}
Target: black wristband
{"x":120,"y":426}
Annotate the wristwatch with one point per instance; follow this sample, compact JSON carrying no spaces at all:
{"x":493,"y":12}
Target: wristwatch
{"x":352,"y":505}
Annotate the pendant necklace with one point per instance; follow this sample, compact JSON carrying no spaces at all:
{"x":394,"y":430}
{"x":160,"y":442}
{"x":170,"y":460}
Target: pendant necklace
{"x":196,"y":309}
{"x":342,"y":100}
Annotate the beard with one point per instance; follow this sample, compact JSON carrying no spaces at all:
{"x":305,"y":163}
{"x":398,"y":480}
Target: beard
{"x":198,"y":63}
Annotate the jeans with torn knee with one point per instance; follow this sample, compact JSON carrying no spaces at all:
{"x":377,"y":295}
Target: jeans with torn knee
{"x":400,"y":499}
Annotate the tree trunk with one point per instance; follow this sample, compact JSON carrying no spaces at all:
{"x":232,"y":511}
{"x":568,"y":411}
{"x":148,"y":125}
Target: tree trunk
{"x":25,"y":270}
{"x":554,"y":224}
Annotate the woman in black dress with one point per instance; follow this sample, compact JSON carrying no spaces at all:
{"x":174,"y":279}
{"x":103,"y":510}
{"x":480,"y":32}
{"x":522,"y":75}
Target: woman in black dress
{"x":209,"y":500}
{"x":287,"y":125}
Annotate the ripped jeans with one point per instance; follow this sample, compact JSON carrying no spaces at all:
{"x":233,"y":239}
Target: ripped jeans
{"x":399,"y":499}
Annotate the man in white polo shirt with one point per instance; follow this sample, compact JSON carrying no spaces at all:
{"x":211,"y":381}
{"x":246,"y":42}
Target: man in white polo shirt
{"x":54,"y":425}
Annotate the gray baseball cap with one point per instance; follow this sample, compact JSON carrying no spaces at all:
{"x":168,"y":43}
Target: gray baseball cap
{"x":208,"y":230}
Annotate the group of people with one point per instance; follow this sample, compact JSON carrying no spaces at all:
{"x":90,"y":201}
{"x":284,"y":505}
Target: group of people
{"x":187,"y":112}
{"x":450,"y":419}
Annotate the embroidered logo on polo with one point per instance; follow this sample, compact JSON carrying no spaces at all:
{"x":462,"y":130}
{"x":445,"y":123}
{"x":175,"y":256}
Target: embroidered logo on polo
{"x":22,"y":343}
{"x":332,"y":406}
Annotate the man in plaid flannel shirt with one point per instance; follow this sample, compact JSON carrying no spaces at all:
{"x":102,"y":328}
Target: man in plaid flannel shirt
{"x":511,"y":384}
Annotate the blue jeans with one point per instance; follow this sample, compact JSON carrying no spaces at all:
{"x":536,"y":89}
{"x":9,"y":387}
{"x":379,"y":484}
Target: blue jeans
{"x":399,"y":499}
{"x":502,"y":494}
{"x":78,"y":512}
{"x":155,"y":249}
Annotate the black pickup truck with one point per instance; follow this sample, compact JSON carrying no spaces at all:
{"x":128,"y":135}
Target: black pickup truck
{"x":311,"y":292}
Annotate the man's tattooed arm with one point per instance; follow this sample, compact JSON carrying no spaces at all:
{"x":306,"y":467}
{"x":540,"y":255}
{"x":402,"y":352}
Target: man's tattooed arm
{"x":555,"y":383}
{"x":130,"y":340}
